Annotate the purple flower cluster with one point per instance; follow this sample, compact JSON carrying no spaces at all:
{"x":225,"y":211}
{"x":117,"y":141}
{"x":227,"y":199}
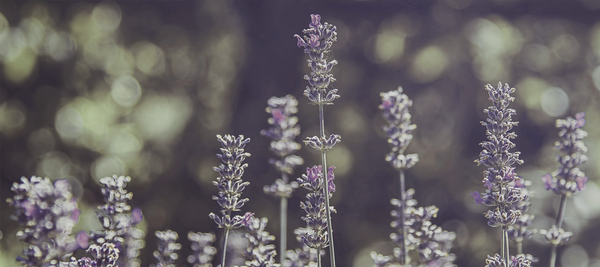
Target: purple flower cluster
{"x":395,"y":106}
{"x":230,"y":182}
{"x":202,"y":249}
{"x":49,"y":212}
{"x":166,"y":255}
{"x":118,"y":219}
{"x":498,"y":261}
{"x":317,"y":42}
{"x":430,"y":241}
{"x":316,"y":235}
{"x":500,"y":177}
{"x":283,"y":132}
{"x":569,"y":179}
{"x":303,"y":256}
{"x":105,"y":255}
{"x":259,"y":253}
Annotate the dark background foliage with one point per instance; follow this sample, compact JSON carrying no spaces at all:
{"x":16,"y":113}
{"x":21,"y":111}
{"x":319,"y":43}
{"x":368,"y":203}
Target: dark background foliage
{"x":141,"y":88}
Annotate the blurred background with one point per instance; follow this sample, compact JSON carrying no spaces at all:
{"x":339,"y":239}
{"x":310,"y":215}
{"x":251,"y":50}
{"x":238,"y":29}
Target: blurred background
{"x":91,"y":89}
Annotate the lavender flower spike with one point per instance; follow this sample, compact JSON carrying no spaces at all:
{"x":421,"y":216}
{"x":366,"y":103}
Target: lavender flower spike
{"x":500,"y":177}
{"x":283,"y":132}
{"x":166,"y":255}
{"x":317,"y":43}
{"x":395,"y":106}
{"x":203,"y":251}
{"x":49,"y":212}
{"x":316,"y":235}
{"x":118,"y":219}
{"x":568,"y":180}
{"x":260,"y":252}
{"x":230,"y":184}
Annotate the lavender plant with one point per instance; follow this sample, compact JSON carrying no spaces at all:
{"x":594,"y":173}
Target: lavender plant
{"x":105,"y":255}
{"x":315,"y":235}
{"x":568,"y":180}
{"x":166,"y":255}
{"x":283,"y":133}
{"x":414,"y":228}
{"x":118,"y":220}
{"x":259,"y":253}
{"x":202,"y":249}
{"x":230,"y":185}
{"x":500,"y":177}
{"x":303,"y":256}
{"x":317,"y":43}
{"x":48,"y":211}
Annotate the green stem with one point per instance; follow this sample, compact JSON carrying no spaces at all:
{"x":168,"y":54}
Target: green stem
{"x":326,"y":188}
{"x":519,"y":247}
{"x":225,"y":247}
{"x":559,"y":222}
{"x":505,"y":249}
{"x":404,"y":259}
{"x":561,"y":211}
{"x":319,"y":257}
{"x":553,"y":256}
{"x":283,"y":223}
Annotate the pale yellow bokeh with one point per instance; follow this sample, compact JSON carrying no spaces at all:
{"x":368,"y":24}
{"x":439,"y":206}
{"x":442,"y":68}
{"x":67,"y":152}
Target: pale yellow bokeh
{"x":162,"y":118}
{"x":428,"y":64}
{"x":126,"y":91}
{"x":20,"y":67}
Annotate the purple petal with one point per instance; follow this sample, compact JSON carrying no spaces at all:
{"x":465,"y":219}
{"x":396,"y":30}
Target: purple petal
{"x":82,"y":238}
{"x":581,"y":182}
{"x":548,"y":184}
{"x":301,"y":42}
{"x":477,"y":197}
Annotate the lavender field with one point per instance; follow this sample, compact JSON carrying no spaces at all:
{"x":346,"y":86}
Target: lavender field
{"x":438,"y":133}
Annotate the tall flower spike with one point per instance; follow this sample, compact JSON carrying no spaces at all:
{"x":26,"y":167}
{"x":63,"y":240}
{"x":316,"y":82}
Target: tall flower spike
{"x":118,"y":219}
{"x":317,"y":43}
{"x":49,"y":212}
{"x":395,"y":106}
{"x":203,"y":251}
{"x":568,"y":180}
{"x":500,"y":179}
{"x":428,"y":240}
{"x":260,"y":252}
{"x":315,"y":235}
{"x":166,"y":255}
{"x":230,"y":184}
{"x":283,"y":131}
{"x":303,"y":256}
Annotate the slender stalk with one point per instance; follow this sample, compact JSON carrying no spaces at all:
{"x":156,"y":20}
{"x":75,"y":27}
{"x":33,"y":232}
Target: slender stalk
{"x":326,"y":188}
{"x":559,"y":221}
{"x":561,"y":211}
{"x":404,"y":259}
{"x":505,"y":249}
{"x":283,"y":223}
{"x":225,"y":247}
{"x":519,"y":247}
{"x":319,"y":257}
{"x":553,"y":256}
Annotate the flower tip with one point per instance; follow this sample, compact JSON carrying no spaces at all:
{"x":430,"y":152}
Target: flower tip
{"x":137,"y":216}
{"x":247,"y":218}
{"x":477,"y":197}
{"x":82,"y":239}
